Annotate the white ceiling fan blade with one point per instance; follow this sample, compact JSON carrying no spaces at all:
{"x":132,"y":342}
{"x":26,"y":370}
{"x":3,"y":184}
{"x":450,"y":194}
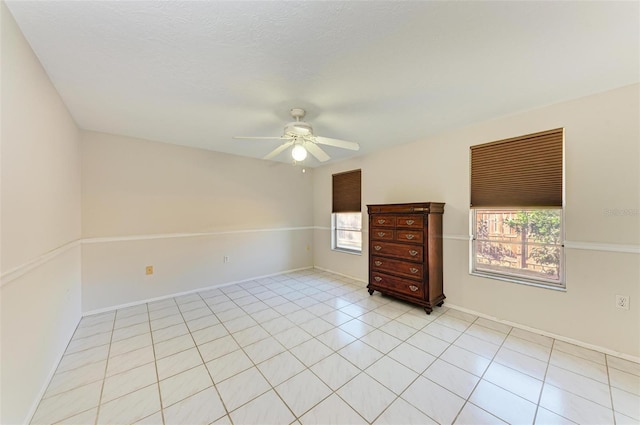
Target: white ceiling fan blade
{"x":317,"y":152}
{"x":265,"y":138}
{"x":338,"y":143}
{"x":277,"y":150}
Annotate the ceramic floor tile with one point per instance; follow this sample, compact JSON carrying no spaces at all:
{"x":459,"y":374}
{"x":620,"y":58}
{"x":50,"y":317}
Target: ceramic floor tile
{"x":130,"y":332}
{"x":579,"y":365}
{"x":67,"y":404}
{"x":130,"y":360}
{"x":477,"y":345}
{"x":624,"y":420}
{"x":360,"y":354}
{"x":280,"y":368}
{"x":202,"y":322}
{"x":381,"y":341}
{"x":186,"y":299}
{"x":89,"y":342}
{"x":228,"y":365}
{"x":398,"y":330}
{"x":440,"y":331}
{"x":624,"y":365}
{"x":473,"y":415}
{"x":87,"y":331}
{"x":242,"y":388}
{"x":169,"y":332}
{"x":401,"y":412}
{"x":311,"y":352}
{"x":580,"y":385}
{"x":130,"y":408}
{"x":391,"y":374}
{"x":374,"y":319}
{"x":487,"y":334}
{"x":467,"y":317}
{"x":585,"y":353}
{"x":528,"y":348}
{"x":353,"y":310}
{"x":178,"y":363}
{"x":356,"y":328}
{"x":266,"y":409}
{"x":153,"y":419}
{"x":131,"y":320}
{"x":573,"y":407}
{"x":366,"y":396}
{"x":335,"y":338}
{"x":303,"y":391}
{"x":164,"y":312}
{"x":127,"y":382}
{"x":301,"y":316}
{"x":197,"y":304}
{"x":255,"y":307}
{"x":217,"y":348}
{"x":74,"y":378}
{"x":415,"y":321}
{"x":197,"y":313}
{"x":335,"y":371}
{"x":84,"y":418}
{"x":337,"y":317}
{"x":533,"y":337}
{"x":130,"y":344}
{"x":517,"y":382}
{"x":626,"y":403}
{"x":183,"y":385}
{"x":316,"y":326}
{"x":441,"y":405}
{"x":430,"y":344}
{"x":292,"y":337}
{"x":452,"y":322}
{"x":547,"y":417}
{"x":83,"y":358}
{"x":210,"y":333}
{"x":491,"y":324}
{"x":167,"y":321}
{"x":625,"y":381}
{"x":502,"y":403}
{"x":158,"y":305}
{"x":521,"y":362}
{"x":452,"y":378}
{"x":173,"y":346}
{"x":333,"y":410}
{"x":411,"y":357}
{"x":263,"y":350}
{"x":250,"y":335}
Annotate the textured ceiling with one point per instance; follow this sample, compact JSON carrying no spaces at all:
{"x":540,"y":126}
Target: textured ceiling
{"x":379,"y":73}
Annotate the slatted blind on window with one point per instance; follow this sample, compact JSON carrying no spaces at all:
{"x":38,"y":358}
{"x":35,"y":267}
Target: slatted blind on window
{"x":523,"y":171}
{"x":346,"y":192}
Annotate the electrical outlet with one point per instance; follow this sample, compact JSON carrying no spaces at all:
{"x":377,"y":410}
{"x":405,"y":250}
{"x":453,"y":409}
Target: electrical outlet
{"x":149,"y":270}
{"x":226,"y":259}
{"x":622,"y":301}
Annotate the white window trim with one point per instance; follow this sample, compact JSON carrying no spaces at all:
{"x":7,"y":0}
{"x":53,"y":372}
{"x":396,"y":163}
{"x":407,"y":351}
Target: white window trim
{"x":334,"y":238}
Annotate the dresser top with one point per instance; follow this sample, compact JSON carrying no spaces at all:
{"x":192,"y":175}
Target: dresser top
{"x":412,"y":207}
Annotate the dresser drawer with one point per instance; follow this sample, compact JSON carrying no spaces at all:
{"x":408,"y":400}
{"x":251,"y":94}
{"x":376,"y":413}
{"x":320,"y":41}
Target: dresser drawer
{"x":402,"y":251}
{"x":410,"y":221}
{"x":409,"y":236}
{"x":403,"y":268}
{"x":396,"y":284}
{"x":382,"y":234}
{"x":381,"y":220}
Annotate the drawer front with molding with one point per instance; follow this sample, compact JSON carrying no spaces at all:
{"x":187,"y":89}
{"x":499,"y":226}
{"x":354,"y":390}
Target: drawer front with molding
{"x":409,"y":236}
{"x":382,"y":234}
{"x":396,"y":284}
{"x":410,"y":221}
{"x":402,"y":268}
{"x":383,"y":220}
{"x":403,"y":251}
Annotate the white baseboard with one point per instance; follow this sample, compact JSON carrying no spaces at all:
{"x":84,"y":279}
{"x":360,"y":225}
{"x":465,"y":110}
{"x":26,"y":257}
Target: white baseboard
{"x":191,"y":291}
{"x":340,"y":274}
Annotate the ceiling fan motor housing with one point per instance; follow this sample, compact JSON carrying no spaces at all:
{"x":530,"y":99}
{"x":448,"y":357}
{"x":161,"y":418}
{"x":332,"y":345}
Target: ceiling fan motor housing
{"x":298,"y":128}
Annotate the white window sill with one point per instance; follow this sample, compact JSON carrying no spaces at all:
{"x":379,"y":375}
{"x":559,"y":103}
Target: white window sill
{"x":514,"y":279}
{"x":347,"y":251}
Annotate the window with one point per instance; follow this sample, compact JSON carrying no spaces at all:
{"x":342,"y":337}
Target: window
{"x":346,"y":220}
{"x":516,"y":209}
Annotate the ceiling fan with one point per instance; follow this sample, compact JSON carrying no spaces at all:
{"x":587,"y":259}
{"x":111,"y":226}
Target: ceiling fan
{"x":299,"y":134}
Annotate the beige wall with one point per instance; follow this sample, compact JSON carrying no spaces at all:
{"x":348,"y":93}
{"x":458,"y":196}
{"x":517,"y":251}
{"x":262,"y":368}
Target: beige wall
{"x":257,"y":213}
{"x":602,"y":172}
{"x":40,"y":196}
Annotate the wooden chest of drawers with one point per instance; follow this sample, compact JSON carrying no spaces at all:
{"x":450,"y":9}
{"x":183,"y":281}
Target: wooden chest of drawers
{"x":405,"y":252}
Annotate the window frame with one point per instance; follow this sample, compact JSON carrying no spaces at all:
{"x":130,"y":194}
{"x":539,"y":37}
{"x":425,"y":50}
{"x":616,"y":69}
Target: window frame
{"x":334,"y":234}
{"x":558,"y":285}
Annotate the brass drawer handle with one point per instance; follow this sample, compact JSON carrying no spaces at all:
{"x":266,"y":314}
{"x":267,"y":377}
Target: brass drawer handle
{"x":410,"y":237}
{"x":410,"y":222}
{"x":413,"y":288}
{"x":377,"y":278}
{"x":413,"y":270}
{"x":413,"y":252}
{"x":381,"y":234}
{"x":381,"y":221}
{"x":377,"y":247}
{"x":378,"y":263}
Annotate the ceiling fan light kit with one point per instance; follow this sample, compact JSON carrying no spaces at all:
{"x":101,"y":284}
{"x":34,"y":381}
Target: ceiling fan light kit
{"x":300,"y":134}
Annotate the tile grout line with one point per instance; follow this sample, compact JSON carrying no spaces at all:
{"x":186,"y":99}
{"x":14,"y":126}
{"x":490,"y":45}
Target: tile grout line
{"x":155,"y":366}
{"x":106,"y":367}
{"x":544,"y":381}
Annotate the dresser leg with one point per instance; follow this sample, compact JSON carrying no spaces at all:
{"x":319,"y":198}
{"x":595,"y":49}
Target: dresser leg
{"x":428,"y":310}
{"x":370,"y":291}
{"x":440,"y":303}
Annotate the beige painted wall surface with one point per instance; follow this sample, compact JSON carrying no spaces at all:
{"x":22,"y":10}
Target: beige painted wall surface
{"x":40,"y":198}
{"x":602,"y":154}
{"x":258,"y":213}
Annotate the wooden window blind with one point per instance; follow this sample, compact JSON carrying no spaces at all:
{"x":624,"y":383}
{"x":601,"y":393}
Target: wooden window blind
{"x":346,"y":192}
{"x":523,"y":171}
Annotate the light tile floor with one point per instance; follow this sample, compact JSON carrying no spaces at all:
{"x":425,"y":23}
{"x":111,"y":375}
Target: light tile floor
{"x":314,"y":348}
